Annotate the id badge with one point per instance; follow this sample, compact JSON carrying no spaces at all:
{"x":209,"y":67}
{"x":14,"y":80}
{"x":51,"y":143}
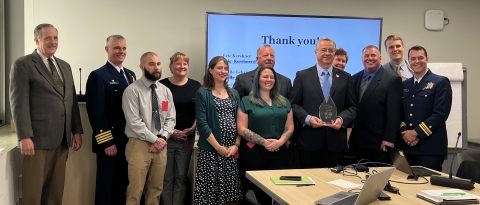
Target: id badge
{"x":185,"y":143}
{"x":165,"y":105}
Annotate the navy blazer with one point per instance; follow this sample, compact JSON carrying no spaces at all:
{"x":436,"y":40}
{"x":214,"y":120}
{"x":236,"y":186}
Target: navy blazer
{"x":306,"y":97}
{"x":380,"y":109}
{"x":104,"y":93}
{"x":426,"y":108}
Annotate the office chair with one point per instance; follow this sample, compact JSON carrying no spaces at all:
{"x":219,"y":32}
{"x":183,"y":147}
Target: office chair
{"x":251,"y":198}
{"x":469,"y":170}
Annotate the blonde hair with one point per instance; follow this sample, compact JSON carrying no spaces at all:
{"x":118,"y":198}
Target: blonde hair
{"x":178,"y":56}
{"x":393,"y":38}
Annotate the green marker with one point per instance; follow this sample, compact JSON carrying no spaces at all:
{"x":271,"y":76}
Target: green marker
{"x":453,"y":194}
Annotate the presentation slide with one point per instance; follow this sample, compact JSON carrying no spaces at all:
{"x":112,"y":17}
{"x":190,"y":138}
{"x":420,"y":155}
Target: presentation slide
{"x":238,"y":36}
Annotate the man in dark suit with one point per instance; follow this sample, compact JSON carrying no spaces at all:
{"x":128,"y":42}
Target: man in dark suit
{"x":397,"y":64}
{"x":105,"y":88}
{"x":321,"y":144}
{"x":265,"y":58}
{"x":379,"y":107}
{"x":46,"y":114}
{"x":427,"y":101}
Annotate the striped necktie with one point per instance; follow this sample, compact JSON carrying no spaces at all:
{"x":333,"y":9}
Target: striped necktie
{"x":156,"y":115}
{"x":56,"y":76}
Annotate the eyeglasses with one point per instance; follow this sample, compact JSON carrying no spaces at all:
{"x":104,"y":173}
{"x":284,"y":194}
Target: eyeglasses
{"x":324,"y":50}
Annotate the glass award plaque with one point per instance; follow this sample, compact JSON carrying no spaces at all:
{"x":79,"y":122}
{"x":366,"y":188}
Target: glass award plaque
{"x":328,"y":111}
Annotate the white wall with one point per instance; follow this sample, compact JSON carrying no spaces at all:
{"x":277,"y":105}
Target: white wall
{"x":168,"y":26}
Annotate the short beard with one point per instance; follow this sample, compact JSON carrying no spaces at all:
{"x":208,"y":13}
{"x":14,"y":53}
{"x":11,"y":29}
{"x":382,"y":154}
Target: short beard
{"x":152,"y":76}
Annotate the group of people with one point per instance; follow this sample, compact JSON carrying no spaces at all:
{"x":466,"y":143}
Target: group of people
{"x":144,"y":129}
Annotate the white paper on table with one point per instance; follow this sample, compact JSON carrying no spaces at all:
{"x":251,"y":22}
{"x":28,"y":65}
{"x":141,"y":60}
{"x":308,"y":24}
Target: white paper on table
{"x":344,"y":184}
{"x":439,"y":194}
{"x":1,"y":149}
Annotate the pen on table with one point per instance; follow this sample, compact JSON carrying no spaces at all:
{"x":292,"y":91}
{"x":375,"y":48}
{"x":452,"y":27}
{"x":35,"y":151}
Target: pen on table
{"x":453,"y":193}
{"x":299,"y":185}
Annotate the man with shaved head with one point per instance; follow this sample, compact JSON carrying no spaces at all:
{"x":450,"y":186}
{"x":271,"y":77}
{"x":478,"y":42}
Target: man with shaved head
{"x":150,"y":115}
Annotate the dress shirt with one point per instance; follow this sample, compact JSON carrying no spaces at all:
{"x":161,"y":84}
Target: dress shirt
{"x":420,"y":79}
{"x":320,"y":74}
{"x":372,"y":74}
{"x":137,"y":106}
{"x":404,"y":69}
{"x":45,"y":60}
{"x":320,"y":77}
{"x":118,"y":70}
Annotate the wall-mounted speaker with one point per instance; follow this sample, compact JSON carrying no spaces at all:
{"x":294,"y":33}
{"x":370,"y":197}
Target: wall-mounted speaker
{"x":434,"y":20}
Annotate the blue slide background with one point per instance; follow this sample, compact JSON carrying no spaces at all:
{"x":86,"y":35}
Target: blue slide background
{"x":237,"y":37}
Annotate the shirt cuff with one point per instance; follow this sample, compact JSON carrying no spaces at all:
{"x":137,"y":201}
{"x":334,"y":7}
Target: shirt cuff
{"x":165,"y":134}
{"x":307,"y":120}
{"x":152,"y":138}
{"x":342,"y":121}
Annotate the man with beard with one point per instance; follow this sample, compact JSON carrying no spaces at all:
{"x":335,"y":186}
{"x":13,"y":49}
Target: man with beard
{"x":150,"y":115}
{"x":105,"y":88}
{"x":265,"y":58}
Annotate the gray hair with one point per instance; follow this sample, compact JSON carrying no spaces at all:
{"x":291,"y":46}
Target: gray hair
{"x":263,"y":46}
{"x":37,"y":32}
{"x":116,"y":37}
{"x":326,"y":39}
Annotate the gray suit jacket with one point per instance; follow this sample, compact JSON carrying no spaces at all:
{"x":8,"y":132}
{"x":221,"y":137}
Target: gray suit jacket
{"x":39,"y":110}
{"x":393,"y":68}
{"x":243,"y":84}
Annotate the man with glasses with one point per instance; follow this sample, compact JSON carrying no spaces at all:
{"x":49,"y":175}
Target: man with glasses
{"x":322,"y":143}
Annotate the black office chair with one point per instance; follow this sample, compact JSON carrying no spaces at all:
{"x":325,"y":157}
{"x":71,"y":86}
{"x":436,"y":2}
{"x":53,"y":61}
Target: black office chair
{"x":251,"y":198}
{"x":469,"y":170}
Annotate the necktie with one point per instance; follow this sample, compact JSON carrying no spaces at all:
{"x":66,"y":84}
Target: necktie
{"x":415,"y":84}
{"x":399,"y":70}
{"x":363,"y":86}
{"x":326,"y":85}
{"x":56,"y":76}
{"x":156,"y":115}
{"x":124,"y":75}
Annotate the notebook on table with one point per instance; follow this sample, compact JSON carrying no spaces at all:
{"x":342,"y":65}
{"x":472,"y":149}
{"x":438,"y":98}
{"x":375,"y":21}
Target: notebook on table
{"x":401,"y":163}
{"x":370,"y":192}
{"x":303,"y":181}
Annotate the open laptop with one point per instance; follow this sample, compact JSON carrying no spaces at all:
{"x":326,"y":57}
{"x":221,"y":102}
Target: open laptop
{"x":401,"y":163}
{"x":370,"y":192}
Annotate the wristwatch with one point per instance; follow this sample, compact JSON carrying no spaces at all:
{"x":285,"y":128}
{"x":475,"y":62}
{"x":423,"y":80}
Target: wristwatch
{"x":160,"y":136}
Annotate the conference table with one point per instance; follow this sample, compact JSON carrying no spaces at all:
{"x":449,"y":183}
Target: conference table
{"x":292,"y":194}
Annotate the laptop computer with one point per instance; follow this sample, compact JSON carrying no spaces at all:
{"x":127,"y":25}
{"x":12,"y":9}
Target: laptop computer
{"x":401,"y":163}
{"x":370,"y":192}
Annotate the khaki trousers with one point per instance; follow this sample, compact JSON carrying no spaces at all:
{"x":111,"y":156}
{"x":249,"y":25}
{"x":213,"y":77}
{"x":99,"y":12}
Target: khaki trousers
{"x":43,"y":176}
{"x":145,"y":169}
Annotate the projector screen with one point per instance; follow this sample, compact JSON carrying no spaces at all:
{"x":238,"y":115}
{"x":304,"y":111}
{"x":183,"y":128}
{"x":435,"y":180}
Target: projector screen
{"x":238,"y":36}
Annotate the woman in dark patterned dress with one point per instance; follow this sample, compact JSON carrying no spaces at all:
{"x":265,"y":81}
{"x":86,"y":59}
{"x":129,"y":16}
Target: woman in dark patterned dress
{"x":217,"y":177}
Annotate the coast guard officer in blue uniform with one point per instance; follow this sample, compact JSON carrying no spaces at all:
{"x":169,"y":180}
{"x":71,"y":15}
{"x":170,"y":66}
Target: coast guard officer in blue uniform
{"x":427,"y":100}
{"x":104,"y":92}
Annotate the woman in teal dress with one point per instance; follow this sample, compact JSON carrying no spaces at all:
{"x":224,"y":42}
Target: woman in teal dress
{"x":265,"y":121}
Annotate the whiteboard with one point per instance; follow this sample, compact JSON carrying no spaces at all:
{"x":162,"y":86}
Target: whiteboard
{"x":454,"y":72}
